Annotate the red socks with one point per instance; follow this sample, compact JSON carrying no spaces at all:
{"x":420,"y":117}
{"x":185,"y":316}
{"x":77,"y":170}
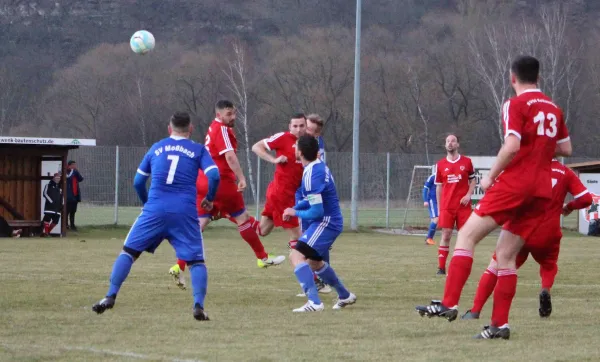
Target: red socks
{"x":506,"y":287}
{"x":548,"y":273}
{"x":443,"y":252}
{"x":48,"y":227}
{"x":458,"y":273}
{"x":249,"y":234}
{"x":255,"y":225}
{"x":181,"y":264}
{"x":486,"y":286}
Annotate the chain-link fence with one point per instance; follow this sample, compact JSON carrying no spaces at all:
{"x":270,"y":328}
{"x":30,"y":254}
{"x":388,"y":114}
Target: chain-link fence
{"x":109,"y":197}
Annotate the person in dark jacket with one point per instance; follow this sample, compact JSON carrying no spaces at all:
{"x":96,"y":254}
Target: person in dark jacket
{"x":53,"y":206}
{"x":73,"y":193}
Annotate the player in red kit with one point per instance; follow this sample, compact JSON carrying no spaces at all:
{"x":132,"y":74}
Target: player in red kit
{"x":455,"y":180}
{"x":222,"y":146}
{"x":518,"y":191}
{"x":287,"y":179}
{"x":543,"y":245}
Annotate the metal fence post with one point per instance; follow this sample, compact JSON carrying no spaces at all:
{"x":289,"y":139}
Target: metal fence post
{"x":117,"y":185}
{"x":387,"y":192}
{"x":257,"y":199}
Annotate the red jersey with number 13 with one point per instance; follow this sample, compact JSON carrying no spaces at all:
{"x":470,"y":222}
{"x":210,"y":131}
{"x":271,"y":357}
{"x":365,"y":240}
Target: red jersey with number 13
{"x":288,"y":175}
{"x":454,"y":177}
{"x":539,"y":124}
{"x":219,"y":140}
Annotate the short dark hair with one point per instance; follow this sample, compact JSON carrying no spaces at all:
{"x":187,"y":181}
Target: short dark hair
{"x":224,"y":104}
{"x":308,"y":147}
{"x":298,"y":115}
{"x":181,"y":121}
{"x":70,"y":162}
{"x":526,"y":68}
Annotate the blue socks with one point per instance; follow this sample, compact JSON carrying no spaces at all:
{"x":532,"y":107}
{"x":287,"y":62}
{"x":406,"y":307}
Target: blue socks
{"x":432,"y":228}
{"x":327,"y":274}
{"x":119,"y":273}
{"x":307,"y":283}
{"x":325,"y":256}
{"x":199,"y":277}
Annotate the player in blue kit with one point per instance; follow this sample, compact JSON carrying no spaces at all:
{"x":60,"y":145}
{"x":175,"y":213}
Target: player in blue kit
{"x":314,"y":127}
{"x":430,"y":202}
{"x":320,"y":205}
{"x":169,"y":210}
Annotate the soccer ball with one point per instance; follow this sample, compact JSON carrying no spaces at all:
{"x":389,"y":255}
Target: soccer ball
{"x":142,"y":42}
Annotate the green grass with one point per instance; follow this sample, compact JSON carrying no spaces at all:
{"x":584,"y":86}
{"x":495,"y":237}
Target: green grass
{"x":49,"y":285}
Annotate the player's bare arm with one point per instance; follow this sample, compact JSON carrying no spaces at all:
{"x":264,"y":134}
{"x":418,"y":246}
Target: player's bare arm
{"x":289,"y":212}
{"x":261,"y":151}
{"x":234,"y":164}
{"x":206,"y":205}
{"x":467,"y":198}
{"x":564,"y":149}
{"x":507,"y":152}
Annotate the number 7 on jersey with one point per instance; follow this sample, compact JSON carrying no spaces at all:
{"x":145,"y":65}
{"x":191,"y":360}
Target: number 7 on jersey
{"x":174,"y":161}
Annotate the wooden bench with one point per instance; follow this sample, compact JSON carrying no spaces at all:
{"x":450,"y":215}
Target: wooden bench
{"x":28,"y":226}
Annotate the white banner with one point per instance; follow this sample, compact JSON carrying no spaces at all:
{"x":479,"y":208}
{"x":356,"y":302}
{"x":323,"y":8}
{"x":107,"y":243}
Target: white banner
{"x":482,"y":165}
{"x":48,"y":141}
{"x":592,"y":182}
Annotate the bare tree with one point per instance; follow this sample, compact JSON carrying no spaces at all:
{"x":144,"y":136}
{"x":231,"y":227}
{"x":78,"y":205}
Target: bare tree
{"x":560,"y":57}
{"x":491,"y":56}
{"x":320,"y":82}
{"x":416,"y":91}
{"x":495,"y":47}
{"x":237,"y":75}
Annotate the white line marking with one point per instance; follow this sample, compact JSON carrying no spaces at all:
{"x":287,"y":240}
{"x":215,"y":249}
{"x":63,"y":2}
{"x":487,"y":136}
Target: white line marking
{"x":100,"y":351}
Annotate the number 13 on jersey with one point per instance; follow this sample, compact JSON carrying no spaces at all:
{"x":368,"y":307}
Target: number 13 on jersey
{"x":540,"y":120}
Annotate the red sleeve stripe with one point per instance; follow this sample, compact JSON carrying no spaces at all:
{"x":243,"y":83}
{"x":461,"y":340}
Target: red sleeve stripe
{"x":580,"y":194}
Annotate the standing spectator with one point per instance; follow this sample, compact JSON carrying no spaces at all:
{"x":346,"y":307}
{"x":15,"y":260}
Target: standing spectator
{"x":54,"y":203}
{"x":73,"y":193}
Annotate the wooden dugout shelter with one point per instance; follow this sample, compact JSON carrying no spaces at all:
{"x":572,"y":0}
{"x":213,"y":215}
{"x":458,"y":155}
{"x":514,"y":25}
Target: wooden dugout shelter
{"x":21,"y":177}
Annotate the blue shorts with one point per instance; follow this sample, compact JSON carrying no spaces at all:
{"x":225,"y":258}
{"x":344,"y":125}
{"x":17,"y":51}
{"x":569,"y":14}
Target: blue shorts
{"x":433,"y":209}
{"x":304,"y":224}
{"x":321,"y":235}
{"x":182,"y":230}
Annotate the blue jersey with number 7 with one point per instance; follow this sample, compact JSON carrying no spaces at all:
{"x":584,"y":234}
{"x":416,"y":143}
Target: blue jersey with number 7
{"x":173,"y":165}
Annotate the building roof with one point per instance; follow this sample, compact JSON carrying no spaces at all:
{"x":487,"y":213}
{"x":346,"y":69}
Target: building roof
{"x":47,"y":141}
{"x":585,"y":166}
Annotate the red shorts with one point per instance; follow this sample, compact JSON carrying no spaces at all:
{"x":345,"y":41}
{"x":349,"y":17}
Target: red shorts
{"x":448,"y":218}
{"x":517,"y":213}
{"x":277,"y":202}
{"x":547,"y":255}
{"x":228,"y":200}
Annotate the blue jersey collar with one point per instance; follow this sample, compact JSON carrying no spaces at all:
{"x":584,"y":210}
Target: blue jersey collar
{"x":178,"y":138}
{"x":313,"y":163}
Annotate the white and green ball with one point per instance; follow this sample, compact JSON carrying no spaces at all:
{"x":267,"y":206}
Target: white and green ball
{"x":142,"y":41}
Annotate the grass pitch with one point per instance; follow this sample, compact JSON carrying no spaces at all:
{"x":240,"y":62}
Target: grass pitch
{"x":49,"y":285}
